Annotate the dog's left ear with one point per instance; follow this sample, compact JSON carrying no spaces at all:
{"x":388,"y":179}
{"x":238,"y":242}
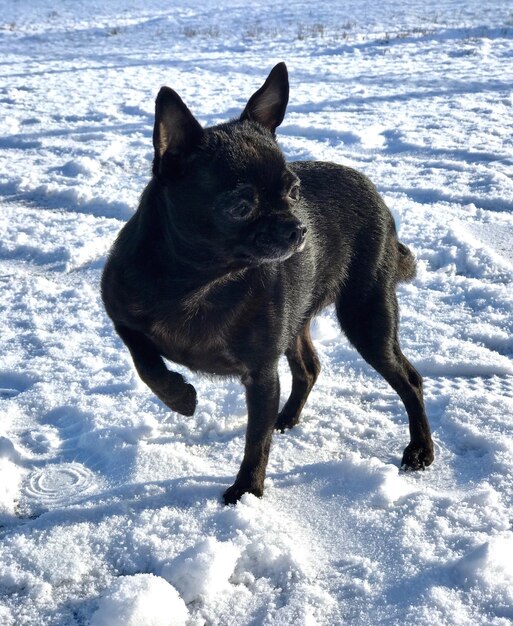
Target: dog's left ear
{"x":267,"y":105}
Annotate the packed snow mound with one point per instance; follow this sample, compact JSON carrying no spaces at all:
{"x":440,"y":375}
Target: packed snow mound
{"x":202,"y":570}
{"x":10,"y":479}
{"x":489,"y":568}
{"x":140,"y":600}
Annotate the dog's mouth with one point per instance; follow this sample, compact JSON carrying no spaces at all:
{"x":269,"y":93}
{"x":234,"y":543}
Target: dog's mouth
{"x":266,"y":250}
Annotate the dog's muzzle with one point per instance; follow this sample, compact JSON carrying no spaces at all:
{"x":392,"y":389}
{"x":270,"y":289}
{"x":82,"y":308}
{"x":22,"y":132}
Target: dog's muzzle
{"x":288,"y":235}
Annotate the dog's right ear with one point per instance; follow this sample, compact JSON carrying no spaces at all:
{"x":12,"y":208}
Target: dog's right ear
{"x":175,"y":135}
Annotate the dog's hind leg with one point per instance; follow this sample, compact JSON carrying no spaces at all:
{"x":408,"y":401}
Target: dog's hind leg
{"x":305,"y":367}
{"x":371,"y":325}
{"x":170,"y":387}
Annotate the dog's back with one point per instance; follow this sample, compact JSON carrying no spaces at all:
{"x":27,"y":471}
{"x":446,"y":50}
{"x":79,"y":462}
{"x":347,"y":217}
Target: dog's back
{"x":353,"y":235}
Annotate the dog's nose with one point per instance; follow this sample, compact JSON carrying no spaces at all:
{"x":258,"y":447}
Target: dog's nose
{"x":293,"y":233}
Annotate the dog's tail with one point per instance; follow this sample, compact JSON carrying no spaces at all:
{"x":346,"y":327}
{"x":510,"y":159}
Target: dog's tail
{"x":406,"y":263}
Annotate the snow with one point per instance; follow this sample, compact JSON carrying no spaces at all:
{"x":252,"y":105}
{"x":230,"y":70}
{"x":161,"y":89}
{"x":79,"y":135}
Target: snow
{"x":110,"y":506}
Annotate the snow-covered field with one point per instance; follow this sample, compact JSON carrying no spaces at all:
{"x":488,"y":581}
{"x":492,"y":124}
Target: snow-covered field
{"x":110,"y":508}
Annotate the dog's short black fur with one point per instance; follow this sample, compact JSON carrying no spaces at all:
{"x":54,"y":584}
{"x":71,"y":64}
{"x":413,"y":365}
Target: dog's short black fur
{"x":231,"y":253}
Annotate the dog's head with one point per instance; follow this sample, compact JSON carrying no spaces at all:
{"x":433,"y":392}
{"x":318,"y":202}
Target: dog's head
{"x":228,"y":188}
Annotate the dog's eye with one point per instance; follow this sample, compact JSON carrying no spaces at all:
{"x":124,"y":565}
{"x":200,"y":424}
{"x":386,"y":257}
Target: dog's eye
{"x":294,"y":193}
{"x":240,"y":210}
{"x":236,"y":204}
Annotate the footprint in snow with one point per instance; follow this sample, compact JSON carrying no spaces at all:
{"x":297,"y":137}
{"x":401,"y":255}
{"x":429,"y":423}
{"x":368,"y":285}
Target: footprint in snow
{"x":12,"y":384}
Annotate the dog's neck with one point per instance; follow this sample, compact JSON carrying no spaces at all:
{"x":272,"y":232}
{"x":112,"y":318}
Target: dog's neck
{"x":199,"y":298}
{"x":193,"y":272}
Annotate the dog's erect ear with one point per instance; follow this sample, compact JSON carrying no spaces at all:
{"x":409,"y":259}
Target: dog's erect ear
{"x":175,"y":134}
{"x":268,"y":104}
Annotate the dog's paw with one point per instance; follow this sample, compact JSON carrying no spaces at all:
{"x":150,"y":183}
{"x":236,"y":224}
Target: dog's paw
{"x":186,"y":403}
{"x":181,"y":398}
{"x":286,"y":421}
{"x":416,"y":457}
{"x":234,"y":493}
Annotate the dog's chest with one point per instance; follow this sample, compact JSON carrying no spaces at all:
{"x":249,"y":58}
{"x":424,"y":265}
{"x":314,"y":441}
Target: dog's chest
{"x":200,"y":341}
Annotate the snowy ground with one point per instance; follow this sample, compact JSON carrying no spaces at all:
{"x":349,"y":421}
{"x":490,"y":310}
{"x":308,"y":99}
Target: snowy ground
{"x":109,"y":503}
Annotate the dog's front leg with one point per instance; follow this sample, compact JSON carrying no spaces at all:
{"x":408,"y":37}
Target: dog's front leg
{"x":262,"y":396}
{"x":170,"y":387}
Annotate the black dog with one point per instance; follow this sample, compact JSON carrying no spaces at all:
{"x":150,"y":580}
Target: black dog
{"x":231,"y":253}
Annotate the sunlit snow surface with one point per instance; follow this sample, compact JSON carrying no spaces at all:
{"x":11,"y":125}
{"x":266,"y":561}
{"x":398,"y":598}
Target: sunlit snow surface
{"x":110,"y":503}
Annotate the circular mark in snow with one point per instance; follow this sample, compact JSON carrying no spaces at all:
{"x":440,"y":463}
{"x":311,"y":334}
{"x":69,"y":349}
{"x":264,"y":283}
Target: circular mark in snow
{"x":59,"y":484}
{"x":42,"y":440}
